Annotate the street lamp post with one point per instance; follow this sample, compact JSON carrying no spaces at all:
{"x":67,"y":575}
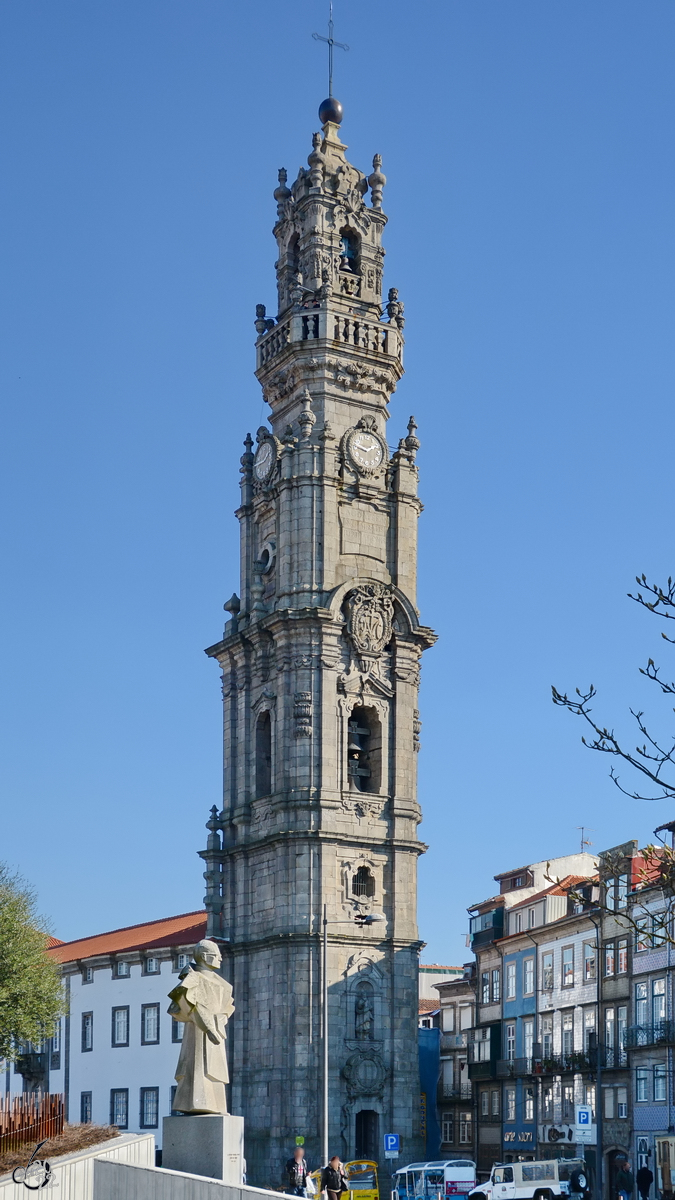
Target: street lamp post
{"x":360,"y":919}
{"x":324,"y":1148}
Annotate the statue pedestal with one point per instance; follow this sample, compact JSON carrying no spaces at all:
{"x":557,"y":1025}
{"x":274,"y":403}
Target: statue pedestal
{"x":210,"y":1144}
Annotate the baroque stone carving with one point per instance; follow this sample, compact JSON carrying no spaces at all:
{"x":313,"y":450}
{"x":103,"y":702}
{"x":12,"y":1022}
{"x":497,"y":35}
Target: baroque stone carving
{"x":363,"y":807}
{"x":302,"y":713}
{"x":365,"y":961}
{"x":417,"y":729}
{"x":364,"y":1073}
{"x":369,"y":624}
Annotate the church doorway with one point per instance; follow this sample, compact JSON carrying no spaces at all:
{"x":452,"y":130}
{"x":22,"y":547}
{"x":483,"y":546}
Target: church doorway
{"x":367,"y":1133}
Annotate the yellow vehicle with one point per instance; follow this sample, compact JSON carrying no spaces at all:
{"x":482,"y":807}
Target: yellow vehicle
{"x":362,"y":1180}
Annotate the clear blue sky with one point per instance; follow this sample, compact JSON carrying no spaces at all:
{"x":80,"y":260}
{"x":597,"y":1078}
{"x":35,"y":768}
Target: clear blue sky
{"x":529,"y":153}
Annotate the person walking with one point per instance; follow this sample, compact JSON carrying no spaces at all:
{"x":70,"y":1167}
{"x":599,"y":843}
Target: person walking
{"x":333,"y":1179}
{"x":625,"y":1183}
{"x":644,"y":1179}
{"x":297,"y":1172}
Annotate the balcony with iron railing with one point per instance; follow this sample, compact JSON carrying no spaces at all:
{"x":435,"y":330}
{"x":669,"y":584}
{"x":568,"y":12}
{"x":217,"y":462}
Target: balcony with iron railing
{"x":661,"y":1033}
{"x":561,"y":1064}
{"x":510,"y":1068}
{"x":449,"y":1091}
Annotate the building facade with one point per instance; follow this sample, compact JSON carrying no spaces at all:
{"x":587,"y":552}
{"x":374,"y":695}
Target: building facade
{"x":320,"y":668}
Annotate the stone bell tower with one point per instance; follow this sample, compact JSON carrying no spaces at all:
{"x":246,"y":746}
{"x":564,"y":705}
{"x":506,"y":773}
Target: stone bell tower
{"x":320,"y":666}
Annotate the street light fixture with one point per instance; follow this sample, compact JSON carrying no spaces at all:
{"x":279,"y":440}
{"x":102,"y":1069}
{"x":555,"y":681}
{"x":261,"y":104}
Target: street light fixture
{"x":360,"y":919}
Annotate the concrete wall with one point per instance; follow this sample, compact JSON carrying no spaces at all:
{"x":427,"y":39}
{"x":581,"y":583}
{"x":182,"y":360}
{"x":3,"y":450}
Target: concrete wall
{"x":113,"y":1180}
{"x":74,"y":1173}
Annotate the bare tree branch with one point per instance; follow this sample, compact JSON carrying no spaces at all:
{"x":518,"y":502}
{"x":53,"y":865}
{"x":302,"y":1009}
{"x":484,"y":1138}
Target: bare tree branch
{"x":653,"y":760}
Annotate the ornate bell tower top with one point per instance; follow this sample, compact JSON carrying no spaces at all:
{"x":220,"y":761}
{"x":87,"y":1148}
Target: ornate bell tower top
{"x":329,"y":280}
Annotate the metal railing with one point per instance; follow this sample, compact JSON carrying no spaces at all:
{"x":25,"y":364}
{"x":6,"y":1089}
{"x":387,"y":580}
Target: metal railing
{"x":560,"y":1064}
{"x":509,"y":1068}
{"x":450,"y":1092}
{"x":659,"y":1034}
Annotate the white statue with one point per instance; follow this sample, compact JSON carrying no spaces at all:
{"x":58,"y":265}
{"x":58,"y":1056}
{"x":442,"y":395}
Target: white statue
{"x":203,"y":1000}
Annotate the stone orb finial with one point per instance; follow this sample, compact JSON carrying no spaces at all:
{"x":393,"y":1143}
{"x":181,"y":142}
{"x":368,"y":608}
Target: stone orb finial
{"x":330,"y":110}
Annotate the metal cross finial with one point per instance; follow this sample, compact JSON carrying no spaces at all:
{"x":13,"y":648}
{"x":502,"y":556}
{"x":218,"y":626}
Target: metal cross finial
{"x":331,"y":42}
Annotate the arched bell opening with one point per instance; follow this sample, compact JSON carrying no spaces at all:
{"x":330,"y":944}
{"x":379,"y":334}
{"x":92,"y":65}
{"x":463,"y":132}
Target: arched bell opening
{"x":350,"y":250}
{"x":364,"y":750}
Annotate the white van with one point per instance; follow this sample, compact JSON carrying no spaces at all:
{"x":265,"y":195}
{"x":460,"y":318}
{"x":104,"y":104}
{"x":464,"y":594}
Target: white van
{"x":543,"y":1180}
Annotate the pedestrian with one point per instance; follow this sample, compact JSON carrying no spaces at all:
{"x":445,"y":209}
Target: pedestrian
{"x":297,"y":1173}
{"x":624,"y":1182}
{"x":644,"y":1180}
{"x":333,"y":1179}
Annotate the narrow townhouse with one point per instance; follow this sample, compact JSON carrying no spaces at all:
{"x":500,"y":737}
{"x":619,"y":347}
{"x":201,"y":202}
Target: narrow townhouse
{"x":456,"y":1100}
{"x":567,"y":929}
{"x":619,"y":870}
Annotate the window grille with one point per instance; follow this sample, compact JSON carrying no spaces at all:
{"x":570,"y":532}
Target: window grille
{"x":149,"y":1108}
{"x":119,"y":1107}
{"x":149,"y":1023}
{"x":363,"y":883}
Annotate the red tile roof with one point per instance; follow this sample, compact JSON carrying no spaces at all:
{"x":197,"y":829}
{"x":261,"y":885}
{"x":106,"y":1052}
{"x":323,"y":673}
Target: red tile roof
{"x":183,"y":930}
{"x":427,"y":1006}
{"x":52,"y":941}
{"x":438,"y":967}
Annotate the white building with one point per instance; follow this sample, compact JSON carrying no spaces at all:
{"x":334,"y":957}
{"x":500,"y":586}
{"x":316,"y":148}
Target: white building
{"x":432,"y":973}
{"x":115,"y":1052}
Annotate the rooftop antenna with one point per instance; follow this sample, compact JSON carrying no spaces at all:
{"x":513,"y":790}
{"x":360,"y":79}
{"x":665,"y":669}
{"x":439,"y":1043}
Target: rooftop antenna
{"x":584,"y":841}
{"x":331,"y":42}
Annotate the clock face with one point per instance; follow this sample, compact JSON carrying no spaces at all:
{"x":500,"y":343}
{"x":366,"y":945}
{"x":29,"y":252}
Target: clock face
{"x":264,"y":460}
{"x":365,"y":450}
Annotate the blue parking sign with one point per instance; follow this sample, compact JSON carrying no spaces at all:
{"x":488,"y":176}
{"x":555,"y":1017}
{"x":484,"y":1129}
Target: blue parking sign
{"x":583,"y":1115}
{"x":392,"y":1143}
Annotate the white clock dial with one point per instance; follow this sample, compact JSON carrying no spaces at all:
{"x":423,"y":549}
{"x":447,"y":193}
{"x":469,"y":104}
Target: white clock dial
{"x":366,"y":450}
{"x":263,"y":460}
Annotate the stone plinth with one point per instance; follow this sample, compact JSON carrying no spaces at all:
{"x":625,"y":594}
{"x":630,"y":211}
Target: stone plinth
{"x":210,"y":1144}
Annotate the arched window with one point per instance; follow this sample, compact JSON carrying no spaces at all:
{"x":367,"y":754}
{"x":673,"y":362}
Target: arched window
{"x":263,"y":755}
{"x":294,"y":254}
{"x":349,"y":249}
{"x":364,"y":1012}
{"x":364,"y":750}
{"x":363,"y":883}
